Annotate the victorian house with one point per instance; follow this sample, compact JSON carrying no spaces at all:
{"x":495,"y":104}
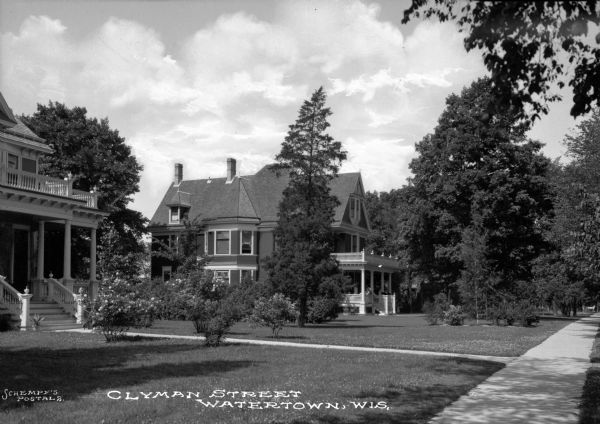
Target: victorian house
{"x":235,"y":217}
{"x":35,"y":268}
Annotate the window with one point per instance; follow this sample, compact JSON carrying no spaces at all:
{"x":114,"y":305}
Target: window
{"x":166,"y":273}
{"x":184,"y":213}
{"x":246,"y":243}
{"x":222,"y":276}
{"x":174,"y":214}
{"x":222,"y":243}
{"x":178,"y":214}
{"x":29,"y":165}
{"x":13,"y":161}
{"x":200,"y":244}
{"x":247,"y":274}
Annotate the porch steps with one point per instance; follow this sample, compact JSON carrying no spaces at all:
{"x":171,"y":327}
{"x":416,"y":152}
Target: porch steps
{"x":55,"y":317}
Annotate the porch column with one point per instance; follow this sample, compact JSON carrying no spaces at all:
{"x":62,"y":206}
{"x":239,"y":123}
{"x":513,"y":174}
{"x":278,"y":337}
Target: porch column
{"x":40,"y":256}
{"x":67,"y":251}
{"x":372,"y":282}
{"x":362,"y":309}
{"x":93,"y":255}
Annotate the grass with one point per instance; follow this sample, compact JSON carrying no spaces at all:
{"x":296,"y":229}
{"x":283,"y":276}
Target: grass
{"x":590,"y":403}
{"x":399,"y":331}
{"x":83,"y":369}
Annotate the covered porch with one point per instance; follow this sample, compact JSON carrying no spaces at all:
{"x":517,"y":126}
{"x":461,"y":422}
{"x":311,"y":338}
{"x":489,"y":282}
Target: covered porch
{"x":371,"y":276}
{"x":36,"y":250}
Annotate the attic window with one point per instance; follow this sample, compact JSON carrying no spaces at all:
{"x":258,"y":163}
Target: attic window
{"x":178,"y":214}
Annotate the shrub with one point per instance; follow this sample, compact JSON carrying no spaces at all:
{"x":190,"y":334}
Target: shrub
{"x":454,"y":315}
{"x":322,"y":309}
{"x":211,"y":318}
{"x":118,"y":307}
{"x":435,"y":311}
{"x":5,"y":322}
{"x":212,"y":306}
{"x":325,"y":306}
{"x":522,"y":312}
{"x":273,"y":312}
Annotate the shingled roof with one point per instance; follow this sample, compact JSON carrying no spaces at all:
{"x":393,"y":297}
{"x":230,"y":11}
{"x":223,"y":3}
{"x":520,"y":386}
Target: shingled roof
{"x":253,"y":196}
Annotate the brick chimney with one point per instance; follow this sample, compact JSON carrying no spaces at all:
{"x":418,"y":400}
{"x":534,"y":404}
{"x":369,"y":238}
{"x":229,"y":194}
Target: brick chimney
{"x":178,"y":174}
{"x":230,"y":170}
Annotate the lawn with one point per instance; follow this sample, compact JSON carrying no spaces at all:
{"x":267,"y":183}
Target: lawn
{"x":86,"y":372}
{"x":590,"y":403}
{"x":398,"y":331}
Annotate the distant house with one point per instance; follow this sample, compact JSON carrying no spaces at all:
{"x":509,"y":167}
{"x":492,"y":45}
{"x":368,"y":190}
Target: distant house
{"x":31,"y":207}
{"x":237,"y":215}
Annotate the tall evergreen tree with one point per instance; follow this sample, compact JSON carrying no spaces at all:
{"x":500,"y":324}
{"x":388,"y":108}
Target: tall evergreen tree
{"x":301,"y":266}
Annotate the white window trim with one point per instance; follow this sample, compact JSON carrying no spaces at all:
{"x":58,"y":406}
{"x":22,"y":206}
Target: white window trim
{"x":171,"y":220}
{"x":251,"y":242}
{"x":215,"y":243}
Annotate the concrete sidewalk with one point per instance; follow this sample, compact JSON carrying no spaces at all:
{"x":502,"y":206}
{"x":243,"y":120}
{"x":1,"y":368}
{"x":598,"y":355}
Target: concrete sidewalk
{"x":502,"y":359}
{"x":543,"y":386}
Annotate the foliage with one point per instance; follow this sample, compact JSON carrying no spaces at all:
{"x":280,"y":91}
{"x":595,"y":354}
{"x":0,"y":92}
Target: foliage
{"x":304,"y":239}
{"x":37,"y":321}
{"x":383,"y":208}
{"x":5,"y":322}
{"x":477,"y":185}
{"x":454,"y":315}
{"x":273,"y":312}
{"x":212,"y":306}
{"x":568,"y":275}
{"x":529,"y":48}
{"x":522,"y":312}
{"x":113,"y":260}
{"x":118,"y":306}
{"x":98,"y":159}
{"x":434,"y":311}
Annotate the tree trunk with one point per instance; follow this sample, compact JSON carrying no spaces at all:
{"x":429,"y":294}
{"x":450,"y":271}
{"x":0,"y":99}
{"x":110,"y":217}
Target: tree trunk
{"x":303,"y":311}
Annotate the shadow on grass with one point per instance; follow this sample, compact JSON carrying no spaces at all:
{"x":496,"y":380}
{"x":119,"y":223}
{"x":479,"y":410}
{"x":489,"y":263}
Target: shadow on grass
{"x":76,"y":372}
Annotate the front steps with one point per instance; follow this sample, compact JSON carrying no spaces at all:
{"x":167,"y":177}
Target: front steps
{"x":55,"y":317}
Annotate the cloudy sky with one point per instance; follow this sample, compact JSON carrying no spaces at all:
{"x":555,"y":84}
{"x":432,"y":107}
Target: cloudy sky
{"x":199,"y":81}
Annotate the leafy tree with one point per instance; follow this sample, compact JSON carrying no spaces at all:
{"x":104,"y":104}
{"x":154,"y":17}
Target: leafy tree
{"x":528,"y":47}
{"x":482,"y":179}
{"x":304,"y":239}
{"x":571,"y":271}
{"x":98,"y":159}
{"x":383,"y":208}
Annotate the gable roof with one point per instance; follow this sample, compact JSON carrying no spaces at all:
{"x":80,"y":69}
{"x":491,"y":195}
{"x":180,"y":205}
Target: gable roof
{"x":7,"y":119}
{"x":253,"y":196}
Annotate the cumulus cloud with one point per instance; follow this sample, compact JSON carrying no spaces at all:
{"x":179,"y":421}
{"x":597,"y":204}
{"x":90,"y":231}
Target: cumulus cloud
{"x":232,"y":87}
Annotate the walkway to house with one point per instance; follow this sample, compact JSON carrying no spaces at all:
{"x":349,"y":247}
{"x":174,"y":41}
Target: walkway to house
{"x":542,"y":386}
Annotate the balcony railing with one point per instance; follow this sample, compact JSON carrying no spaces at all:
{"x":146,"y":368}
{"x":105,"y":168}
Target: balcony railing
{"x":47,"y":185}
{"x":365,"y":258}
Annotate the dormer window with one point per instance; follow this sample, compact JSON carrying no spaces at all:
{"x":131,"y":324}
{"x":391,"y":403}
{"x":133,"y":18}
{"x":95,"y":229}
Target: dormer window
{"x":178,"y":214}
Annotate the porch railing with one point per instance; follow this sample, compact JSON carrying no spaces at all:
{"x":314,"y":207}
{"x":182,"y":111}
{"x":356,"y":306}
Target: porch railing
{"x":65,"y":298}
{"x":44,"y":184}
{"x":9,"y":297}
